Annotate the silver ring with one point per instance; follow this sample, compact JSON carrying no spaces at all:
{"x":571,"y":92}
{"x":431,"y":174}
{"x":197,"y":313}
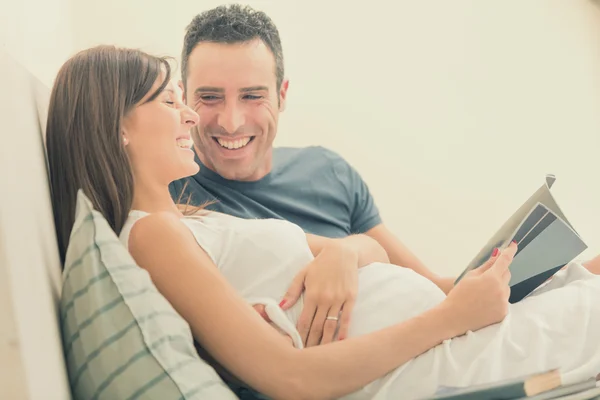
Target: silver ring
{"x":332,"y":318}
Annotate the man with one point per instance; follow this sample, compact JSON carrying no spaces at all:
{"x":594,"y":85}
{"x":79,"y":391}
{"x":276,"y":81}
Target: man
{"x":233,"y":77}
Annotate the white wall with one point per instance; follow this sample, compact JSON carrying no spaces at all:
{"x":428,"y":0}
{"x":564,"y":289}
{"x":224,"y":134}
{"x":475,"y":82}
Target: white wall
{"x":452,"y":111}
{"x":38,"y":33}
{"x":35,"y":39}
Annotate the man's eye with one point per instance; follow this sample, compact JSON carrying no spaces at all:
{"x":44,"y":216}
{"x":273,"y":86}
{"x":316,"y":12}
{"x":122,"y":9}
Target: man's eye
{"x":169,"y":102}
{"x":252,"y":97}
{"x":209,"y":98}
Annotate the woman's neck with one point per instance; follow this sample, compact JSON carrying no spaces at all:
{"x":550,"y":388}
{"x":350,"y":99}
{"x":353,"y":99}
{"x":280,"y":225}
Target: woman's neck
{"x":153,"y":198}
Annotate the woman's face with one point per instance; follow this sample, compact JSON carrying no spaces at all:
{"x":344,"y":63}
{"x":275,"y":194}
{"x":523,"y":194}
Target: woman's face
{"x":157,"y":136}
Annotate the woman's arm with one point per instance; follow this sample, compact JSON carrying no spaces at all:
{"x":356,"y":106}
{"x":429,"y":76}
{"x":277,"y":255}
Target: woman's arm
{"x":367,"y":249}
{"x":241,"y":341}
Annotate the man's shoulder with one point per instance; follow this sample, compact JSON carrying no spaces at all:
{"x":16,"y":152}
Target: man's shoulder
{"x":181,"y":189}
{"x":308,"y":156}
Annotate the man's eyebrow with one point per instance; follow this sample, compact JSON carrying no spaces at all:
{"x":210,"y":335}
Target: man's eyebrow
{"x":213,"y":89}
{"x":254,"y":89}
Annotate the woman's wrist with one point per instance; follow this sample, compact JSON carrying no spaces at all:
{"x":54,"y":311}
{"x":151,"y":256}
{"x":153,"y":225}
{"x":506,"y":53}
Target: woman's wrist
{"x":449,"y":323}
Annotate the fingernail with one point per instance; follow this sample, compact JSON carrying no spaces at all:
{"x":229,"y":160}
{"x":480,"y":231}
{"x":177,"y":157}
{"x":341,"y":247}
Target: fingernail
{"x":342,"y":338}
{"x":282,"y":303}
{"x":514,"y":242}
{"x":495,"y":252}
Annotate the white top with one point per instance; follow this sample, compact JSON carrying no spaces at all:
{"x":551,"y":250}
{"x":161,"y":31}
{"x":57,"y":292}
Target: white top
{"x":259,"y":258}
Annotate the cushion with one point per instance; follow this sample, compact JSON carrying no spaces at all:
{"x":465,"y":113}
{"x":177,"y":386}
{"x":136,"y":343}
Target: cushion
{"x":122,"y":339}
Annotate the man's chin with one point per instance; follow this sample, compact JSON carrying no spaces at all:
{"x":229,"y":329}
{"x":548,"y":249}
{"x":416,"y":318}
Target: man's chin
{"x":238,"y":172}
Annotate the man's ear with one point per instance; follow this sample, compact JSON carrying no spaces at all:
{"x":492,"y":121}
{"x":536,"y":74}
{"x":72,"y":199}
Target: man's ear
{"x":180,"y":84}
{"x":283,"y":94}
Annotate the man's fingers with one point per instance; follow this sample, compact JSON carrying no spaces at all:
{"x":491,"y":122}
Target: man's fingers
{"x":331,"y":324}
{"x":345,"y":319}
{"x":306,"y":319}
{"x":316,"y":328}
{"x":294,"y":291}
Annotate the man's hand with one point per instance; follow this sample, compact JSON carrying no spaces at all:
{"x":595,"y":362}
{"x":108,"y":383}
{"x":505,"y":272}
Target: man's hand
{"x":592,"y":265}
{"x":330,"y":283}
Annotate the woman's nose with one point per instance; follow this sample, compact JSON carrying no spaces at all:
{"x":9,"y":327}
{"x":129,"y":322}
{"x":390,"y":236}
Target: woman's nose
{"x":189,"y":117}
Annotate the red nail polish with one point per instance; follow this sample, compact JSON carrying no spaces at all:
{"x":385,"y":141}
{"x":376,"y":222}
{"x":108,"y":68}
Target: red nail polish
{"x":282,"y":303}
{"x":342,"y":338}
{"x":514,"y":241}
{"x":495,"y":252}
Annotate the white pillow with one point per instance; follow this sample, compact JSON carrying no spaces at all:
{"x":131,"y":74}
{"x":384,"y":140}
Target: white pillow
{"x":122,"y":339}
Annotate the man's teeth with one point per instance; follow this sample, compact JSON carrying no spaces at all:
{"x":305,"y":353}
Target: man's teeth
{"x":233,"y":144}
{"x":185,"y":143}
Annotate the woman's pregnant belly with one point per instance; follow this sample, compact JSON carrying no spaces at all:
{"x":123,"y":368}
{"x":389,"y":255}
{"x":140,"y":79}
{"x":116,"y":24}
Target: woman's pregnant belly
{"x":387,"y":295}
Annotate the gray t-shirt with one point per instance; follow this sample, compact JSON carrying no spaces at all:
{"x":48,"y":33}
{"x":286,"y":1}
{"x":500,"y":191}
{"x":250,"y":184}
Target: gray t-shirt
{"x":312,"y":187}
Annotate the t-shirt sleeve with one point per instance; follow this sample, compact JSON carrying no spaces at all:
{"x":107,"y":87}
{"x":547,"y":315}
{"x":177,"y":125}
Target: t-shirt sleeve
{"x":364,"y":213}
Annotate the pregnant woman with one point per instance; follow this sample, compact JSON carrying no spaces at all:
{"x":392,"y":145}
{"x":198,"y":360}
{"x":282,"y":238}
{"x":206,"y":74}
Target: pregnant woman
{"x":118,"y":130}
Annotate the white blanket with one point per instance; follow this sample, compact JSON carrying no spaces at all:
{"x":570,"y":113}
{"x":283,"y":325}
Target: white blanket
{"x":557,"y":326}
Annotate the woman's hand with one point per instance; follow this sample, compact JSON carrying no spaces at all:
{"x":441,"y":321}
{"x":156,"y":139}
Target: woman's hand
{"x":481,"y":297}
{"x":330,"y":283}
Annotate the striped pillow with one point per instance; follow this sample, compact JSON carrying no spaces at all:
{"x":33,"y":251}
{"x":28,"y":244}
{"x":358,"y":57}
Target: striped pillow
{"x":122,"y":339}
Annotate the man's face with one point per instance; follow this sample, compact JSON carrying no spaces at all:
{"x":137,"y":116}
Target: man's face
{"x":233,"y":88}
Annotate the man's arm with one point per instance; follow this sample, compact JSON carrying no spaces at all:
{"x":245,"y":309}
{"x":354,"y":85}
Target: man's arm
{"x":367,"y":248}
{"x":400,"y":255}
{"x":365,"y":218}
{"x":593,"y":265}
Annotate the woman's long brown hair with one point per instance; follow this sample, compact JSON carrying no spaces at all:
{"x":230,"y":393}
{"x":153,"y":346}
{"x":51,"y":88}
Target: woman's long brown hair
{"x":92,"y":94}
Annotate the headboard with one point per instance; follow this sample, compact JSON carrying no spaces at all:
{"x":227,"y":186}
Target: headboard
{"x":31,"y":357}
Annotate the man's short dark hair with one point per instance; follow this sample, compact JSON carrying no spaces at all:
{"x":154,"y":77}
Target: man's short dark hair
{"x":232,"y":24}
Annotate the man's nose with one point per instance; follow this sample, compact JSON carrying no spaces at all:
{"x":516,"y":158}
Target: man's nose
{"x":231,"y":118}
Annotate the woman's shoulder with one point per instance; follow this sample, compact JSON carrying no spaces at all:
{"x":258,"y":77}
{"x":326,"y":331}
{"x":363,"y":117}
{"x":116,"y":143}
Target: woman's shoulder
{"x":133,"y":217}
{"x":151,"y":222}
